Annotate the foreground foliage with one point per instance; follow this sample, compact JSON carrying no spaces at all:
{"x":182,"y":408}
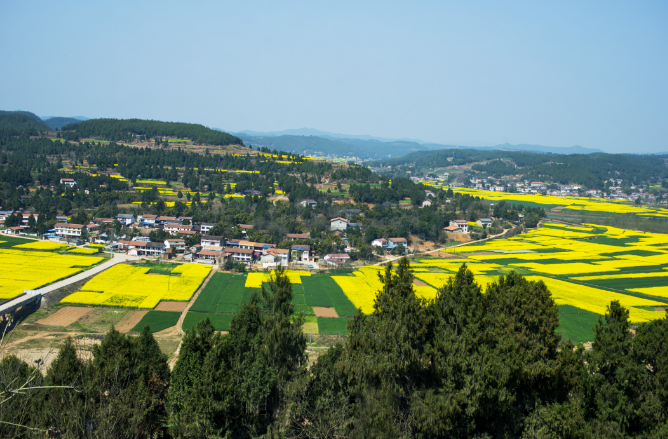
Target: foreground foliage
{"x":466,"y":364}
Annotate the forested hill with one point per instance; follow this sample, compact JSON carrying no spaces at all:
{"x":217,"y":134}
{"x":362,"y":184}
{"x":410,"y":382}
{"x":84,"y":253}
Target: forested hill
{"x":14,"y":123}
{"x":125,"y":129}
{"x":583,"y":168}
{"x":59,"y":122}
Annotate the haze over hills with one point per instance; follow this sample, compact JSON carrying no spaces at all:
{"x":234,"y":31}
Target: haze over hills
{"x":315,"y":142}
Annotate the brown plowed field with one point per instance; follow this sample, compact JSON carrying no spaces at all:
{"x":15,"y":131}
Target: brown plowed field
{"x":171,"y":306}
{"x":324,"y":312}
{"x":130,"y":321}
{"x":65,"y":316}
{"x":419,"y":283}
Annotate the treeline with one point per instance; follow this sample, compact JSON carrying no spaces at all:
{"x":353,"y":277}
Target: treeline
{"x":466,"y":364}
{"x":127,"y":129}
{"x":17,"y":123}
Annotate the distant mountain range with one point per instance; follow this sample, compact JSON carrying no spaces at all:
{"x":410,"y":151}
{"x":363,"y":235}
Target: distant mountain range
{"x":315,"y":142}
{"x":57,"y":122}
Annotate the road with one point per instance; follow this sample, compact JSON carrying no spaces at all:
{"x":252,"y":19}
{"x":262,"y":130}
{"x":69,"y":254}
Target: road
{"x":117,"y":258}
{"x":443,"y":249}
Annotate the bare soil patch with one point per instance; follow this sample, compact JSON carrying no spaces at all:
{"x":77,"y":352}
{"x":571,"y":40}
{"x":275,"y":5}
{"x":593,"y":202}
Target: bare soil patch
{"x":65,"y":316}
{"x":321,"y":311}
{"x":171,"y":306}
{"x":419,"y":283}
{"x":461,"y":237}
{"x":130,"y":321}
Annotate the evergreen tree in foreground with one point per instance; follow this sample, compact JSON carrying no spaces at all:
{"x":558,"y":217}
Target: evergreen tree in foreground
{"x":234,"y":385}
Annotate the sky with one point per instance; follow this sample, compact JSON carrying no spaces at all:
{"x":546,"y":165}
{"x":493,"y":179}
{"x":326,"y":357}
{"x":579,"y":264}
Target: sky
{"x":566,"y":73}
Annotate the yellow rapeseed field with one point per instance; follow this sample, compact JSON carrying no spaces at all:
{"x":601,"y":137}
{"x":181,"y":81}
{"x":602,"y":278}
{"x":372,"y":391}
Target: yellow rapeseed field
{"x":255,"y":280}
{"x":41,"y":245}
{"x":128,"y":286}
{"x":30,"y":270}
{"x":571,"y":203}
{"x":84,"y":251}
{"x":596,"y":300}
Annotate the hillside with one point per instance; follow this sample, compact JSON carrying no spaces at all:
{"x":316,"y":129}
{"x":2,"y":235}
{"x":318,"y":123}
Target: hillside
{"x":21,"y":122}
{"x":588,"y":169}
{"x":127,"y":129}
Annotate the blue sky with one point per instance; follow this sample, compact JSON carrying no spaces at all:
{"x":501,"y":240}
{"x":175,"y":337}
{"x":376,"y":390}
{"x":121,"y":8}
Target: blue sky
{"x":590,"y":73}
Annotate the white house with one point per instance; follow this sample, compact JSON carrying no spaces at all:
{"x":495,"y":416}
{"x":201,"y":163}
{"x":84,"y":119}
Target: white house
{"x":177,"y":228}
{"x":426,"y":203}
{"x":244,"y":255}
{"x":125,"y":218}
{"x":393,"y":242}
{"x":484,"y":222}
{"x":309,"y":203}
{"x":69,"y":182}
{"x":462,"y":224}
{"x":337,"y":258}
{"x":205,"y":227}
{"x":382,"y":242}
{"x":429,"y":193}
{"x":69,"y":230}
{"x":275,"y":256}
{"x":338,"y":224}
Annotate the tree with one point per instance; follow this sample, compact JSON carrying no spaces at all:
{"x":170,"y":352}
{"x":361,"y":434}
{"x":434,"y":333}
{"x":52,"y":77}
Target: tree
{"x":180,"y":195}
{"x":32,"y":224}
{"x":234,"y":384}
{"x":531,"y":220}
{"x":465,"y":365}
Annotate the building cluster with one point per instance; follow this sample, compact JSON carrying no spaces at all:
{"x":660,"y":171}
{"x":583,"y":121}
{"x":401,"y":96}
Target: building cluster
{"x":210,"y":249}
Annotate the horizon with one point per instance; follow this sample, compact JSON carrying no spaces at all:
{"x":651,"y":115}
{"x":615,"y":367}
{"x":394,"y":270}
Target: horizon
{"x":554,"y":75}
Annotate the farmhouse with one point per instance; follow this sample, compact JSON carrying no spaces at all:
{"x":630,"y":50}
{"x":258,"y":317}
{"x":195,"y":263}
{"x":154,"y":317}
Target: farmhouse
{"x":426,"y":203}
{"x":125,"y":218}
{"x":17,"y":230}
{"x":163,"y":220}
{"x":69,"y":182}
{"x":245,"y":228}
{"x":294,"y":236}
{"x":275,"y":256}
{"x":178,"y":245}
{"x":177,"y":228}
{"x":209,"y":255}
{"x":379,"y":242}
{"x":462,"y":224}
{"x":69,"y":230}
{"x":337,"y":258}
{"x":148,"y":220}
{"x":484,"y":222}
{"x":452,"y":229}
{"x":393,"y":242}
{"x":212,"y":241}
{"x":338,"y":224}
{"x":205,"y":227}
{"x":143,"y":248}
{"x":309,"y":203}
{"x":244,"y":255}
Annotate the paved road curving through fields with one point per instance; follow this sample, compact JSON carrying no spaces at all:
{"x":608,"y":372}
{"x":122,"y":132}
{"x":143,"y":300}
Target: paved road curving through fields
{"x":116,"y":259}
